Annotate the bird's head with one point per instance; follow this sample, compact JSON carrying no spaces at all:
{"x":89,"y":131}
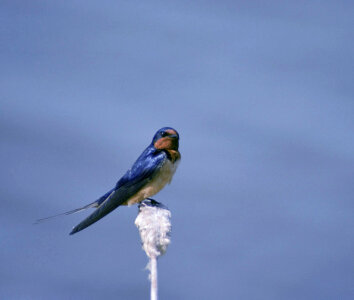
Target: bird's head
{"x":166,"y":138}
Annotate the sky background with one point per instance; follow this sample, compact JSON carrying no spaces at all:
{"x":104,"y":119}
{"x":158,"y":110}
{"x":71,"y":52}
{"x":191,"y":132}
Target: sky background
{"x":261,"y":93}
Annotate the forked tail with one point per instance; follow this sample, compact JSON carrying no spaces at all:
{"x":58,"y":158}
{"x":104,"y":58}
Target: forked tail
{"x":94,"y":204}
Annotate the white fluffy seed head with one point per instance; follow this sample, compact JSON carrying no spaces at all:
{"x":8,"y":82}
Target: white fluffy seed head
{"x":154,"y":224}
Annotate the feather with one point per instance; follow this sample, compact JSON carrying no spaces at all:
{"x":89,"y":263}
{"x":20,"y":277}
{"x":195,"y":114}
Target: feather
{"x":142,"y":172}
{"x":96,"y":203}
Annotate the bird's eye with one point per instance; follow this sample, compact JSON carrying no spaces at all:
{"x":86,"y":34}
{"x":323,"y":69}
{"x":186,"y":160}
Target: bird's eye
{"x":164,"y":133}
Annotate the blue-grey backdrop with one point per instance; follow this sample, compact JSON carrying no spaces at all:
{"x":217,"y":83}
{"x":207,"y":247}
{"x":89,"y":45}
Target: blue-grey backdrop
{"x":262,"y":95}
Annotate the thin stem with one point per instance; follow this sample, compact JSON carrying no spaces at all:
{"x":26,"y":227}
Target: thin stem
{"x":153,"y":274}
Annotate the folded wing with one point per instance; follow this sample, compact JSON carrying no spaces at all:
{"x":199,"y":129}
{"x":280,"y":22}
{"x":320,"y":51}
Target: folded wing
{"x":143,"y":171}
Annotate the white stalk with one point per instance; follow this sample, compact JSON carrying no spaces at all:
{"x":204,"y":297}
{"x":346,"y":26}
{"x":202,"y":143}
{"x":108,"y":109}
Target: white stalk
{"x":153,"y":278}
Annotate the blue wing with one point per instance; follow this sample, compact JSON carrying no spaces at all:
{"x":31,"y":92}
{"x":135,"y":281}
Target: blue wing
{"x":143,"y":171}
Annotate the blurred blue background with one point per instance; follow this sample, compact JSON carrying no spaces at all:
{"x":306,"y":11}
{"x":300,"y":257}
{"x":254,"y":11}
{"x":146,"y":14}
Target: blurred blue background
{"x":261,"y":93}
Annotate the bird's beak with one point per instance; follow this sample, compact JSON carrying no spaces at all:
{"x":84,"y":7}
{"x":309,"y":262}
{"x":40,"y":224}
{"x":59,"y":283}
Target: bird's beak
{"x":173,"y":136}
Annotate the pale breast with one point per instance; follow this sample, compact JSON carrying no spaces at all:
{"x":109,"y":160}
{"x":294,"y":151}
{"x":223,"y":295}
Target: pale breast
{"x":154,"y":186}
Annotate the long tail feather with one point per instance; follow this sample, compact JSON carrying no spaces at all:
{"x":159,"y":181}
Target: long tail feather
{"x":93,"y":204}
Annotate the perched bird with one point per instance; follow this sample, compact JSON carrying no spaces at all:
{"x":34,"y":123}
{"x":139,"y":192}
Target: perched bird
{"x":153,"y":169}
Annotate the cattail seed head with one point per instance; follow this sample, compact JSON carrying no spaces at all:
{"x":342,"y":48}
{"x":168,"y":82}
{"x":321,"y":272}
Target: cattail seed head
{"x":154,"y":224}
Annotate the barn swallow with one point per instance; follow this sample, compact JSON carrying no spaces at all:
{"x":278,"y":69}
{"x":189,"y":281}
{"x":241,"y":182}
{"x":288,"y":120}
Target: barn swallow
{"x":153,"y":169}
